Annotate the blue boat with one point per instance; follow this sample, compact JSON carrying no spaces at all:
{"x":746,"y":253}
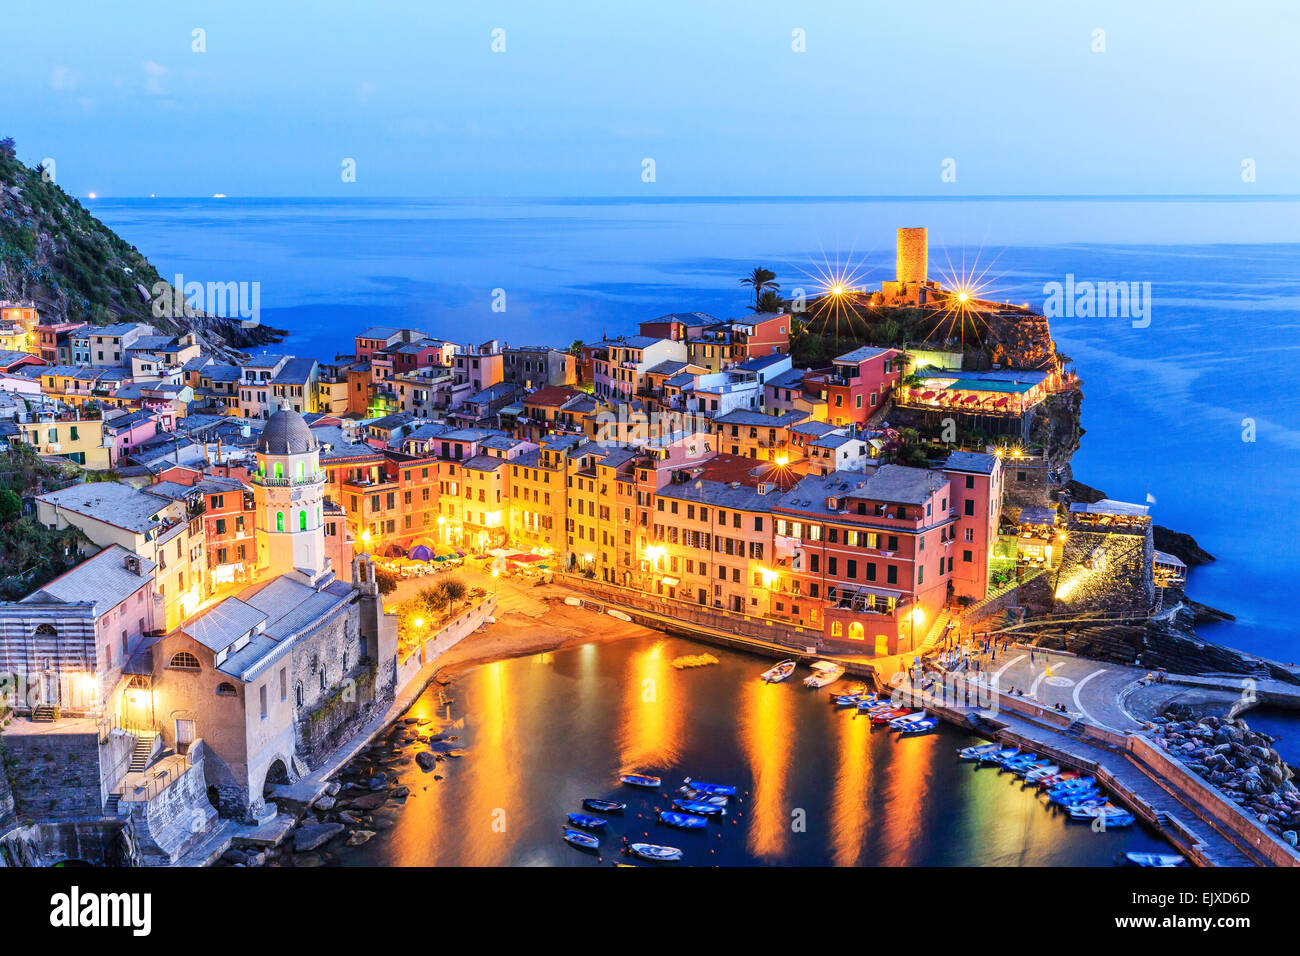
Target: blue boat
{"x":683,"y":821}
{"x":640,"y":780}
{"x":583,"y":841}
{"x":689,"y":794}
{"x":654,"y":852}
{"x":1073,"y":798}
{"x":1078,"y":783}
{"x":604,"y":806}
{"x":1154,"y":859}
{"x":587,"y":821}
{"x":852,"y":700}
{"x":718,"y":789}
{"x":698,"y":808}
{"x":1109,"y":816}
{"x":918,"y":727}
{"x":997,"y":756}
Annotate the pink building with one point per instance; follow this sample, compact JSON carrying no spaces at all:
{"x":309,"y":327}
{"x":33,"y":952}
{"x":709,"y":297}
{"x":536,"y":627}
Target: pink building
{"x":859,"y":383}
{"x":123,"y":433}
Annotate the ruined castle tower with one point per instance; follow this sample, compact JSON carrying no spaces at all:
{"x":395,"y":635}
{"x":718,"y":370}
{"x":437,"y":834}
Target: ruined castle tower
{"x":911,"y":259}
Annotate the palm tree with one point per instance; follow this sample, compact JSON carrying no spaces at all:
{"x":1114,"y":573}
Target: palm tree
{"x":759,"y":280}
{"x":769,"y":301}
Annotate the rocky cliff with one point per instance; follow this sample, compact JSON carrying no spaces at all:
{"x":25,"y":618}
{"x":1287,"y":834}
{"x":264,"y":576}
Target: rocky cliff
{"x":54,"y":253}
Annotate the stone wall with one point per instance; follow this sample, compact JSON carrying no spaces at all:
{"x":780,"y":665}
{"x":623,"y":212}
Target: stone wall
{"x":1026,"y":483}
{"x":1105,"y":573}
{"x":175,"y":819}
{"x":329,"y":716}
{"x":7,"y":816}
{"x":54,"y":776}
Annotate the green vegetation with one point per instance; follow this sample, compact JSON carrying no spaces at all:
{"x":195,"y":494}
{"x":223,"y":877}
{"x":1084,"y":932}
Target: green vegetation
{"x":31,"y":555}
{"x":761,"y":280}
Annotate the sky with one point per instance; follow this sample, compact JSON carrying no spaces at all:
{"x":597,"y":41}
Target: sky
{"x":885,"y":98}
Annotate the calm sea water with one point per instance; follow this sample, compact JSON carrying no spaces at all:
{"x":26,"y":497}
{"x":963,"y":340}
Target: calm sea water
{"x":1167,"y":405}
{"x":819,"y":786}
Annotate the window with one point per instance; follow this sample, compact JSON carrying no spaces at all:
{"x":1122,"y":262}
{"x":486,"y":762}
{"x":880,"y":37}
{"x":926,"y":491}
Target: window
{"x":297,"y":693}
{"x":302,"y":520}
{"x":970,"y":506}
{"x":184,"y":661}
{"x":261,"y":694}
{"x":284,"y":684}
{"x":226,"y":690}
{"x":279,"y":521}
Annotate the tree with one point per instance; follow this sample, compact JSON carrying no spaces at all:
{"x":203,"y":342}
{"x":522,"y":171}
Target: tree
{"x":769,"y":301}
{"x":575,"y":347}
{"x":759,"y":280}
{"x":8,"y":149}
{"x":386,"y":580}
{"x":10,"y":505}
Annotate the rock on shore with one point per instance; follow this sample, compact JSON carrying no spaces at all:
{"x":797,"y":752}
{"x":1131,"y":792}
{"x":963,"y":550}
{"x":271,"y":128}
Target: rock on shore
{"x":1240,"y":762}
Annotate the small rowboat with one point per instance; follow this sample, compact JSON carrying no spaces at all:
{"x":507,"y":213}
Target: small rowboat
{"x":604,"y":806}
{"x":900,"y":722}
{"x":972,"y":753}
{"x":1154,"y":859}
{"x":852,"y":700}
{"x":654,"y":852}
{"x":876,"y":706}
{"x":1109,"y":816}
{"x":586,"y":821}
{"x":885,"y":716}
{"x":779,"y":673}
{"x":698,"y":808}
{"x":1046,"y":783}
{"x":995,"y":756}
{"x":640,"y":780}
{"x":700,"y":797}
{"x":918,"y":727}
{"x":583,"y":841}
{"x":718,"y":789}
{"x":824,"y":674}
{"x":617,"y":615}
{"x":683,"y":821}
{"x":1038,"y":773}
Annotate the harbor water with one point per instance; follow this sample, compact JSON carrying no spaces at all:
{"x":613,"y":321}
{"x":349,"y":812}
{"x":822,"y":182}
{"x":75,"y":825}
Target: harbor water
{"x":817,"y":785}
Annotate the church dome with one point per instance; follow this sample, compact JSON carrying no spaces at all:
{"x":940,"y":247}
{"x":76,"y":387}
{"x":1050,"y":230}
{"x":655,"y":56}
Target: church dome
{"x":286,"y":433}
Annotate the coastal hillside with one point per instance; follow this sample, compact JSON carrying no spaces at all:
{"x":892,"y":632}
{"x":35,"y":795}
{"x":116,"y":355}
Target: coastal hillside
{"x":54,"y":253}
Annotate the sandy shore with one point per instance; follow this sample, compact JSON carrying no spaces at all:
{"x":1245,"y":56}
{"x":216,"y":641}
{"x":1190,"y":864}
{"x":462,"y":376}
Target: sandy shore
{"x":532,"y":620}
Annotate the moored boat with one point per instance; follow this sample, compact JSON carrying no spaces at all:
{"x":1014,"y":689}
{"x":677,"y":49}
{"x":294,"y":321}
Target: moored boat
{"x":583,"y":841}
{"x":683,"y":821}
{"x":718,"y":789}
{"x":586,"y":821}
{"x":640,"y":780}
{"x":899,"y":722}
{"x":1110,"y":816}
{"x":885,"y":716}
{"x":699,"y":808}
{"x":824,"y":674}
{"x":916,"y":727}
{"x":717,"y":799}
{"x":996,"y":756}
{"x":780,"y":672}
{"x":1155,"y":859}
{"x":654,"y":852}
{"x":852,"y":700}
{"x":604,"y":806}
{"x":973,"y":753}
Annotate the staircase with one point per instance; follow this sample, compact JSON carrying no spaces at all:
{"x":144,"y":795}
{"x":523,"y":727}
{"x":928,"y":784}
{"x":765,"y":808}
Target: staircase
{"x":143,"y":749}
{"x":936,"y":635}
{"x":1076,"y":727}
{"x":45,"y":714}
{"x":113,"y":805}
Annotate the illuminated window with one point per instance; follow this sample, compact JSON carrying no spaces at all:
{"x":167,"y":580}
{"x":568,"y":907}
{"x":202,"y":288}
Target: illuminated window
{"x":279,"y":469}
{"x":279,"y":521}
{"x":302,"y":520}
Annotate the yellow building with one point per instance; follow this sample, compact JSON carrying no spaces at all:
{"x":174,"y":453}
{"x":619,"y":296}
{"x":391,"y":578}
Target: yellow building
{"x":168,"y":532}
{"x":79,"y":440}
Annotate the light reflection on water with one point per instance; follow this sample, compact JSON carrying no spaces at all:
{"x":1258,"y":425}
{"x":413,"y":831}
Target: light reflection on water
{"x":819,"y":786}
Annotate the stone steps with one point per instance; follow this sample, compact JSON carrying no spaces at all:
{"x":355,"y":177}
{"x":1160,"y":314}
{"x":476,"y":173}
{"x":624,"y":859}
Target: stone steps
{"x":44,"y":714}
{"x":143,"y":750}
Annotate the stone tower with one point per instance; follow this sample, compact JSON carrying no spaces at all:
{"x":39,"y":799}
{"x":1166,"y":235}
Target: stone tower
{"x":911,"y":263}
{"x":289,"y":489}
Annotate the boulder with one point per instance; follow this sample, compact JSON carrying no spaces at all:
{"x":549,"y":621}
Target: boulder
{"x":426,"y":761}
{"x":324,"y":803}
{"x":310,"y":837}
{"x":371,"y":801}
{"x":358,"y":837}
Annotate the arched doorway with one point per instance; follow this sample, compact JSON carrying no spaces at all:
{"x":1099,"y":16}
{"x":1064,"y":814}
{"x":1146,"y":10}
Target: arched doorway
{"x":856,"y":632}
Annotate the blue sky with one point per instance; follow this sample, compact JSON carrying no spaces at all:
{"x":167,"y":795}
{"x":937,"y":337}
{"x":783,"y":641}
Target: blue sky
{"x":711,"y":90}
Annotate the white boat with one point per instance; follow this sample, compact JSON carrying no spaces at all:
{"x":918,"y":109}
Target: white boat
{"x":617,"y":614}
{"x":824,"y":674}
{"x":971,"y":753}
{"x":779,"y":673}
{"x":909,"y":719}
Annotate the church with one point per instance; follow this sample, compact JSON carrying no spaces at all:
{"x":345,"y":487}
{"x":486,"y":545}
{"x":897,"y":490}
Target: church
{"x":271,"y":680}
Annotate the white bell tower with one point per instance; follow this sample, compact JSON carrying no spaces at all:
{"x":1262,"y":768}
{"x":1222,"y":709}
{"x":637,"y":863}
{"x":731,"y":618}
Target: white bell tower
{"x":289,"y":489}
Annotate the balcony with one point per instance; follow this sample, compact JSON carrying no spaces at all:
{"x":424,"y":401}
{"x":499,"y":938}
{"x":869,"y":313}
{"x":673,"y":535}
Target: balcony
{"x":269,"y":482}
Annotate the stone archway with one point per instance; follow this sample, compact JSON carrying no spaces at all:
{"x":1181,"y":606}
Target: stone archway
{"x":276,"y":775}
